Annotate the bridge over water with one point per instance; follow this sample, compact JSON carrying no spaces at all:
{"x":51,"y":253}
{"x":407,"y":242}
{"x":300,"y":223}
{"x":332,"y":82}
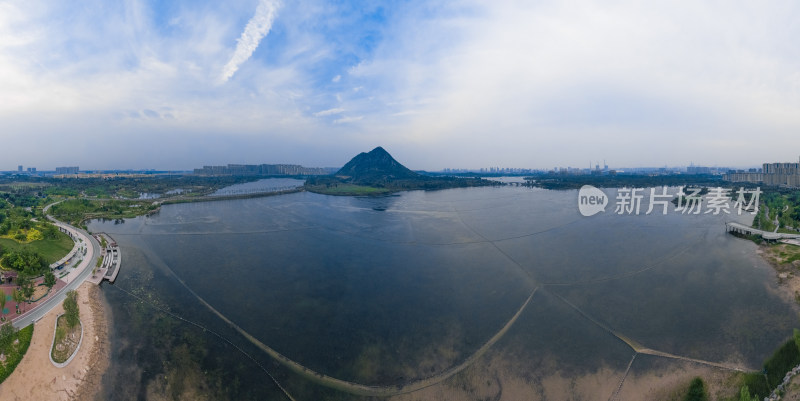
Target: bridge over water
{"x":738,"y":228}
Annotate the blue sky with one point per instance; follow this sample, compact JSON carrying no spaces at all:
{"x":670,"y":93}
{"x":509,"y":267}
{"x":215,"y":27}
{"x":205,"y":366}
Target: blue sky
{"x":175,"y":85}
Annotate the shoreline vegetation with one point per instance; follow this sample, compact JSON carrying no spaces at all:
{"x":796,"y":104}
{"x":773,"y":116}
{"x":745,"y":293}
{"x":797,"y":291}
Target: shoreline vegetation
{"x":338,"y":186}
{"x":563,"y":181}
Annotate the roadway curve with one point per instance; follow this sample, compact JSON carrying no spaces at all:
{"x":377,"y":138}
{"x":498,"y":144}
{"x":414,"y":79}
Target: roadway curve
{"x":89,"y":260}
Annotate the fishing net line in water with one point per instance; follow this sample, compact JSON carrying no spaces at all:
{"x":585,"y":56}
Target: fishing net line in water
{"x":206,"y":329}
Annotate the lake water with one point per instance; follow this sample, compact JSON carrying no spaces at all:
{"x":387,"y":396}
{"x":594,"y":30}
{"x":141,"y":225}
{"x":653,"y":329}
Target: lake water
{"x":385,"y":291}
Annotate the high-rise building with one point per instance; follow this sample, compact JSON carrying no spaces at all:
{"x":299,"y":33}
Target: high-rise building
{"x":777,"y":174}
{"x":19,"y":168}
{"x":782,"y":174}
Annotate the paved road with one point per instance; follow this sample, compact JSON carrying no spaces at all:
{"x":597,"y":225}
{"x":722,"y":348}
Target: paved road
{"x":89,"y":260}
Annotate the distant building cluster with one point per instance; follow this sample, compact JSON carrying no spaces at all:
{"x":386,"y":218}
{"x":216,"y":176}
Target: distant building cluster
{"x":67,"y":170}
{"x":698,"y":170}
{"x":753,"y":175}
{"x":491,"y":170}
{"x":598,"y":169}
{"x":505,"y":170}
{"x":775,"y":174}
{"x":580,"y":171}
{"x":75,"y":172}
{"x":261,"y":169}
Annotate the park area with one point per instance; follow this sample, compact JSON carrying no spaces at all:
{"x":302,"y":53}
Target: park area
{"x":12,"y":308}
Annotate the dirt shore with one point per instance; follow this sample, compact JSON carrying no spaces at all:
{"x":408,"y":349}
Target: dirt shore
{"x":36,"y":378}
{"x":785,"y":270}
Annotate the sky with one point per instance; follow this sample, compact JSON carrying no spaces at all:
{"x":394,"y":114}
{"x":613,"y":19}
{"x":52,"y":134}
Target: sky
{"x":461,"y":84}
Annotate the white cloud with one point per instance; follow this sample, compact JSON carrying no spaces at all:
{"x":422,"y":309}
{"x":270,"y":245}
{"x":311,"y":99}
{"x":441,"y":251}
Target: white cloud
{"x":328,"y":112}
{"x":336,"y":78}
{"x":256,"y":29}
{"x":345,"y":120}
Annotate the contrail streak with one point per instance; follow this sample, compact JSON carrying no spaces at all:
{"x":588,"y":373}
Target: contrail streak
{"x":256,"y":29}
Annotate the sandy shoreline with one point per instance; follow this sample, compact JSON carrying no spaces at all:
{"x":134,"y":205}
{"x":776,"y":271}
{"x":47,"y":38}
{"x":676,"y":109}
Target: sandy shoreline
{"x":36,"y":378}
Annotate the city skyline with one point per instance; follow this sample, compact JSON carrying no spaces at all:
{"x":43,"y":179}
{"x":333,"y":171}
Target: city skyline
{"x":141,"y":84}
{"x":593,"y":166}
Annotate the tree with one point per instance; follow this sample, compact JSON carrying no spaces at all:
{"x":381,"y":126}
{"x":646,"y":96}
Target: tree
{"x":50,"y":231}
{"x":24,"y":260}
{"x":6,"y":333}
{"x":25,"y":284}
{"x":744,"y":395}
{"x":18,"y":297}
{"x":49,"y":278}
{"x":697,"y":391}
{"x":71,"y":311}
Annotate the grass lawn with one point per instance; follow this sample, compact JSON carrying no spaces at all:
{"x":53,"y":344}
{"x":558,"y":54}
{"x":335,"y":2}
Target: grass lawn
{"x":14,"y":352}
{"x":51,"y":250}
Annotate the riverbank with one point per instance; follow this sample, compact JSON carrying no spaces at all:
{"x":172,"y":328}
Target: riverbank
{"x":785,"y":260}
{"x":36,"y":378}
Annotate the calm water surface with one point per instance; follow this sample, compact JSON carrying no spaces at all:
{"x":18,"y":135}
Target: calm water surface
{"x":386,"y":290}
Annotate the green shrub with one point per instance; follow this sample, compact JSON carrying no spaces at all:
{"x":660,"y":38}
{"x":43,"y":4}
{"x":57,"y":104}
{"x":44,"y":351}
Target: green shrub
{"x":14,"y":353}
{"x":697,"y":391}
{"x":782,"y":361}
{"x":71,"y":312}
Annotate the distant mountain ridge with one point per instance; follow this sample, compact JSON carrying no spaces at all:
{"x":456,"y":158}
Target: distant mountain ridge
{"x":377,"y":166}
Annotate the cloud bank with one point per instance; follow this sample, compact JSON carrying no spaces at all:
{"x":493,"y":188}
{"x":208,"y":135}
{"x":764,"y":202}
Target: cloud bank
{"x":462,"y":83}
